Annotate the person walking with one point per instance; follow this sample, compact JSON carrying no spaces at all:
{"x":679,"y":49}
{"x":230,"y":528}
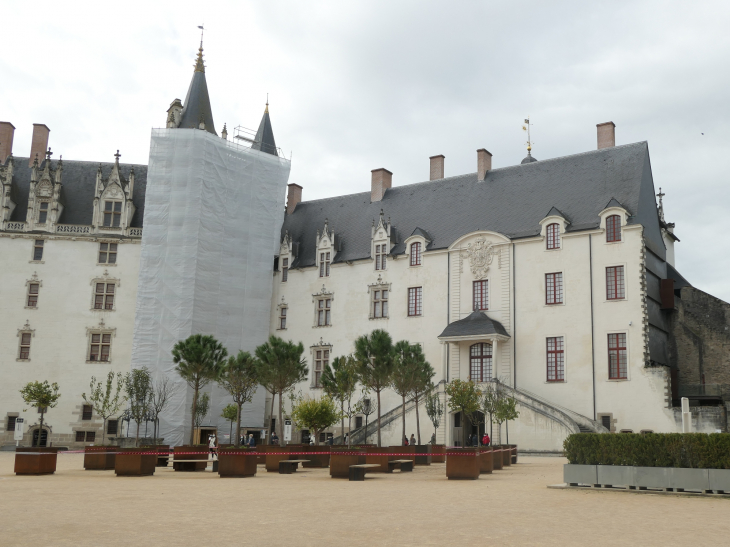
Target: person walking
{"x":211,"y":446}
{"x":413,"y":440}
{"x":274,"y":438}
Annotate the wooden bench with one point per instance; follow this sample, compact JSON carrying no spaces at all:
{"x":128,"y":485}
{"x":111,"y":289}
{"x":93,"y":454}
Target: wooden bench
{"x":404,"y":465}
{"x":287,"y":467}
{"x":357,"y":472}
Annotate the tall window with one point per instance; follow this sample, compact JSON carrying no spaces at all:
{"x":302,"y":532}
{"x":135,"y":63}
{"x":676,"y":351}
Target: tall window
{"x":480,"y":362}
{"x":615,"y":287}
{"x":555,"y":359}
{"x":282,"y":317}
{"x":613,"y":228}
{"x":24,"y":352}
{"x":380,"y":303}
{"x":553,"y":236}
{"x":42,"y":212}
{"x":415,"y":301}
{"x":416,"y":253}
{"x":111,"y":427}
{"x":38,"y":249}
{"x":100,"y":347}
{"x":87,"y":412}
{"x":11,"y":423}
{"x":107,"y":253}
{"x":380,"y":257}
{"x":554,"y":288}
{"x":321,"y":361}
{"x":33,"y":295}
{"x":617,"y":365}
{"x":104,"y":296}
{"x":481,"y":295}
{"x":324,"y":264}
{"x":324,"y":319}
{"x":284,"y":270}
{"x":112,"y":213}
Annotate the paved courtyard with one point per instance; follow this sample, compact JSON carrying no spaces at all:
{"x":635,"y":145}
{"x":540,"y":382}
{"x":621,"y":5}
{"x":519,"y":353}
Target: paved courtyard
{"x":510,"y":507}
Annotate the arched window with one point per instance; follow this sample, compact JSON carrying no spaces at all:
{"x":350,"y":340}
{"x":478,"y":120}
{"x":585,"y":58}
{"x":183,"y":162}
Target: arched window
{"x":416,"y":253}
{"x":553,"y":236}
{"x":480,"y":362}
{"x":613,"y":228}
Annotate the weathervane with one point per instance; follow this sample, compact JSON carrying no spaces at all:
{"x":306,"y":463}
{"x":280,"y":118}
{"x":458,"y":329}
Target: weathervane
{"x":526,"y":127}
{"x":660,"y":195}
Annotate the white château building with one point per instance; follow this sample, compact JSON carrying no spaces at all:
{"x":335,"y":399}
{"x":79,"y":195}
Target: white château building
{"x":555,"y":277}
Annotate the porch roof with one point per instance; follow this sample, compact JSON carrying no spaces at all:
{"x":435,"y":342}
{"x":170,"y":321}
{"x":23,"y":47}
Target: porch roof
{"x":476,"y":324}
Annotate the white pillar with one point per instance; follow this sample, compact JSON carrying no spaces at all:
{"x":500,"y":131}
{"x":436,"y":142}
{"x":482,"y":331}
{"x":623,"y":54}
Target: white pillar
{"x":496,"y":361}
{"x":686,"y":416}
{"x":444,"y":362}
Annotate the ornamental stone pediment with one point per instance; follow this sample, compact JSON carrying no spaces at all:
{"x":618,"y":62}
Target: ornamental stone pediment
{"x":480,"y":254}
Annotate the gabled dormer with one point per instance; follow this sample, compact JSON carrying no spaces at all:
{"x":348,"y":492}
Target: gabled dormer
{"x":552,"y":228}
{"x":7,"y":205}
{"x":174,"y":114}
{"x":325,"y":249}
{"x":613,"y":219}
{"x":45,"y":204}
{"x":113,"y":206}
{"x":381,"y":242}
{"x":416,"y":244}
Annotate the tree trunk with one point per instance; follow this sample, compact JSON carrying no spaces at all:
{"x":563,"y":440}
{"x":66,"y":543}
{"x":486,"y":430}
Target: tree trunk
{"x":316,"y":437}
{"x":349,"y":429}
{"x":271,"y":415}
{"x":281,"y":423}
{"x":103,"y":433}
{"x":379,"y":444}
{"x":192,"y":417}
{"x":403,"y":416}
{"x":136,"y":438}
{"x":418,"y":422}
{"x":342,"y":409}
{"x":40,"y":432}
{"x":463,"y":429}
{"x":238,"y":428}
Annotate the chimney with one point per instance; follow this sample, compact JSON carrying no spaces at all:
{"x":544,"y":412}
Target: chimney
{"x":484,"y":163}
{"x":437,"y":167}
{"x":382,"y":180}
{"x":293,"y":197}
{"x":606,"y":135}
{"x":39,"y":144}
{"x":7,"y":130}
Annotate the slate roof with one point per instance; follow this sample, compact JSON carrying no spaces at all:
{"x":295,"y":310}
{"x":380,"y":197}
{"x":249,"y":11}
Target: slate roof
{"x":511,"y":201}
{"x":197,"y":104}
{"x":264,"y":139}
{"x":78,"y":184}
{"x":475,"y":324}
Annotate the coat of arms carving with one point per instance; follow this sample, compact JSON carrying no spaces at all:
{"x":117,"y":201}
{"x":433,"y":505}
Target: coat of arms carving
{"x":480,"y":254}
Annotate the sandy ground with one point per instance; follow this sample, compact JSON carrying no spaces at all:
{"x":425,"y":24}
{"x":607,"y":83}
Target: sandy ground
{"x":510,"y":507}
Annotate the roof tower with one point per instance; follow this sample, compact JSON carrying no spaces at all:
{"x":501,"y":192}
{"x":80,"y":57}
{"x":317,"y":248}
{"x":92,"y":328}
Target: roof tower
{"x":264,"y":139}
{"x":196,"y":113}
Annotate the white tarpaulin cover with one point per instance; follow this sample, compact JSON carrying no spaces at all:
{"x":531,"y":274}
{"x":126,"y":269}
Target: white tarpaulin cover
{"x":212,"y":221}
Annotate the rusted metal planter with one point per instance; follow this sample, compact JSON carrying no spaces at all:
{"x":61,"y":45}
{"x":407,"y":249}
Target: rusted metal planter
{"x":35,"y":461}
{"x":513,"y":452}
{"x":438,"y":453}
{"x":236,"y":462}
{"x":163,"y":455}
{"x":497,"y":458}
{"x":99,"y":457}
{"x":276,"y":453}
{"x":486,"y":461}
{"x":423,"y":454}
{"x":135,"y":462}
{"x":403,"y":453}
{"x":463,"y":463}
{"x":506,"y":456}
{"x":195,"y":452}
{"x":317,"y":454}
{"x":342,"y":458}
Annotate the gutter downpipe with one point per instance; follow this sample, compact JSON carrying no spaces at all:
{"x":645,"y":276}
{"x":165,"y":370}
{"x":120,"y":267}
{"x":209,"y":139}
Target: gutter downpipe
{"x":593,"y":345}
{"x":448,"y":303}
{"x":514,"y":320}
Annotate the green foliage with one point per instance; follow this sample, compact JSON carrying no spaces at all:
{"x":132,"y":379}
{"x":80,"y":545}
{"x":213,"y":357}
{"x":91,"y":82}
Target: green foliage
{"x":240,"y":379}
{"x":201,"y":410}
{"x":315,"y":414}
{"x":230,"y":413}
{"x":41,"y":395}
{"x":506,"y":410}
{"x":695,"y":450}
{"x":340,"y":382}
{"x":138,"y":385}
{"x":464,"y":396}
{"x":434,"y":409}
{"x":106,"y":398}
{"x":374,"y":356}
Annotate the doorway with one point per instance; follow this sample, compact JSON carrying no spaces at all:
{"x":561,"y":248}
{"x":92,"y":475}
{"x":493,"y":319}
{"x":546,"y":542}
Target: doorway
{"x":44,"y":438}
{"x":202,"y":435}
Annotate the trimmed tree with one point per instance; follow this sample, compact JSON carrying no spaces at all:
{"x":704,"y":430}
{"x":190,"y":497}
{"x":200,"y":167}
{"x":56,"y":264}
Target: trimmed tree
{"x":365,"y":406}
{"x":506,"y":410}
{"x":422,"y":384}
{"x":464,"y":397}
{"x":339,"y":382}
{"x":434,"y":409}
{"x":159,"y":398}
{"x":139,"y":387}
{"x":200,"y":360}
{"x":403,"y":376}
{"x":374,"y":356}
{"x":230,"y":413}
{"x":315,"y":414}
{"x":40,"y":395}
{"x":240,"y":379}
{"x":280,"y":366}
{"x":201,"y":411}
{"x":106,"y":398}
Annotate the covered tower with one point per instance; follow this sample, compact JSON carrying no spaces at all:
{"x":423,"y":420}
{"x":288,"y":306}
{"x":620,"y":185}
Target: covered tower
{"x":213,"y":213}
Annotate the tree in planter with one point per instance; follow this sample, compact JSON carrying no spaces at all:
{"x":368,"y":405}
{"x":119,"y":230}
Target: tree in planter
{"x":506,"y":410}
{"x":434,"y":409}
{"x":200,"y":360}
{"x":315,"y":414}
{"x":106,"y":398}
{"x":367,"y":407}
{"x":230,"y":413}
{"x":201,"y":411}
{"x":339,"y":383}
{"x":42,"y":396}
{"x":159,"y":399}
{"x":491,"y":397}
{"x":138,"y":385}
{"x":464,"y":397}
{"x":422,"y":384}
{"x":240,"y":379}
{"x":281,"y":366}
{"x":374,"y":356}
{"x":403,"y":375}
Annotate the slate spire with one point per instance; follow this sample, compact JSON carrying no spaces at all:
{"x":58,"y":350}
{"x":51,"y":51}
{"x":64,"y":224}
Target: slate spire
{"x":196,"y":113}
{"x":264,"y":139}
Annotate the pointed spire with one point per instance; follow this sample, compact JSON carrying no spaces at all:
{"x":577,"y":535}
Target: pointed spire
{"x":199,"y":65}
{"x":196,"y":113}
{"x":264,"y":139}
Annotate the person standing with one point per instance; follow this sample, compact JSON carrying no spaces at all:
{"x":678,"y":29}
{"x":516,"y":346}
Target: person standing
{"x":251,"y":441}
{"x":413,"y":440}
{"x":211,"y":446}
{"x":485,"y":440}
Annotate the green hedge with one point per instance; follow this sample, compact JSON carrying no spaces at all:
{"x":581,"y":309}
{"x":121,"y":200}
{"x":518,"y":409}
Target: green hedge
{"x":697,"y":450}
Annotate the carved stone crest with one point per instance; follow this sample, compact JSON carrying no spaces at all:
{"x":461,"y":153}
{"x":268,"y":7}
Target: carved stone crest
{"x":480,"y":254}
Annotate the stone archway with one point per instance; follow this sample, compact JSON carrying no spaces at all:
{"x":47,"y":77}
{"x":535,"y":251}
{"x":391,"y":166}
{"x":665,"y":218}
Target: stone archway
{"x":44,"y":436}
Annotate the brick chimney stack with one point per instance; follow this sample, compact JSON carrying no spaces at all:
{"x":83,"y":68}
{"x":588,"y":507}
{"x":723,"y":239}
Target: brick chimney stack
{"x":7,"y":131}
{"x":293,"y":197}
{"x":382,"y":180}
{"x":437,"y":167}
{"x":484,"y":163}
{"x":606,"y":135}
{"x":39,"y":144}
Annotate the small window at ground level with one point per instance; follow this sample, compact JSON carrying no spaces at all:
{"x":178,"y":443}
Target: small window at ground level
{"x":90,"y":436}
{"x":606,"y":422}
{"x":11,"y":423}
{"x":87,"y":412}
{"x":80,"y":436}
{"x":111,"y":427}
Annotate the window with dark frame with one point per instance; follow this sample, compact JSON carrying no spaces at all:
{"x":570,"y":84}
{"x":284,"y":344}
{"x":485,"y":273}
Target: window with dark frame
{"x":100,"y":347}
{"x":104,"y":296}
{"x":416,"y":253}
{"x":324,"y":317}
{"x":358,"y":422}
{"x":284,"y":270}
{"x":33,"y":295}
{"x":107,"y":253}
{"x":87,"y":412}
{"x":617,"y":358}
{"x":380,"y":303}
{"x":554,"y":288}
{"x":380,"y":257}
{"x":282,"y":318}
{"x":324,"y":264}
{"x":90,"y":436}
{"x":11,"y":423}
{"x":80,"y":436}
{"x":481,"y":295}
{"x":24,"y":345}
{"x":553,"y":236}
{"x":415,"y":301}
{"x":613,"y":228}
{"x":111,"y":427}
{"x":42,"y":212}
{"x":112,"y":214}
{"x":606,"y":421}
{"x":555,"y":359}
{"x":615,"y":286}
{"x":321,"y":361}
{"x":480,"y":362}
{"x":38,"y":249}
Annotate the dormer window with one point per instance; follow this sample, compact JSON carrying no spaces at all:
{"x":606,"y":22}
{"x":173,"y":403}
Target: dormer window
{"x":112,"y":214}
{"x":324,"y":264}
{"x":613,"y":229}
{"x":380,"y":256}
{"x":553,"y":236}
{"x":42,"y":212}
{"x":416,"y":253}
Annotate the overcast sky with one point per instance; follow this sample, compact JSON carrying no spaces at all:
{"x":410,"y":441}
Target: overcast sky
{"x":358,"y":85}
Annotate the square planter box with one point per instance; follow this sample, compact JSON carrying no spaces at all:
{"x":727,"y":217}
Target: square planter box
{"x":438,"y":453}
{"x":403,"y":453}
{"x":574,"y":474}
{"x":697,"y":480}
{"x":513,"y":452}
{"x":615,"y":475}
{"x":236,"y":463}
{"x":194,"y":452}
{"x":319,"y":457}
{"x":497,"y":459}
{"x":652,"y":477}
{"x":163,"y":455}
{"x":341,"y":460}
{"x":506,"y":456}
{"x":382,"y":461}
{"x":35,"y":461}
{"x":486,"y":461}
{"x":99,"y":457}
{"x":276,"y":453}
{"x":135,"y":462}
{"x":423,"y":454}
{"x":463,"y":463}
{"x":720,"y":480}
